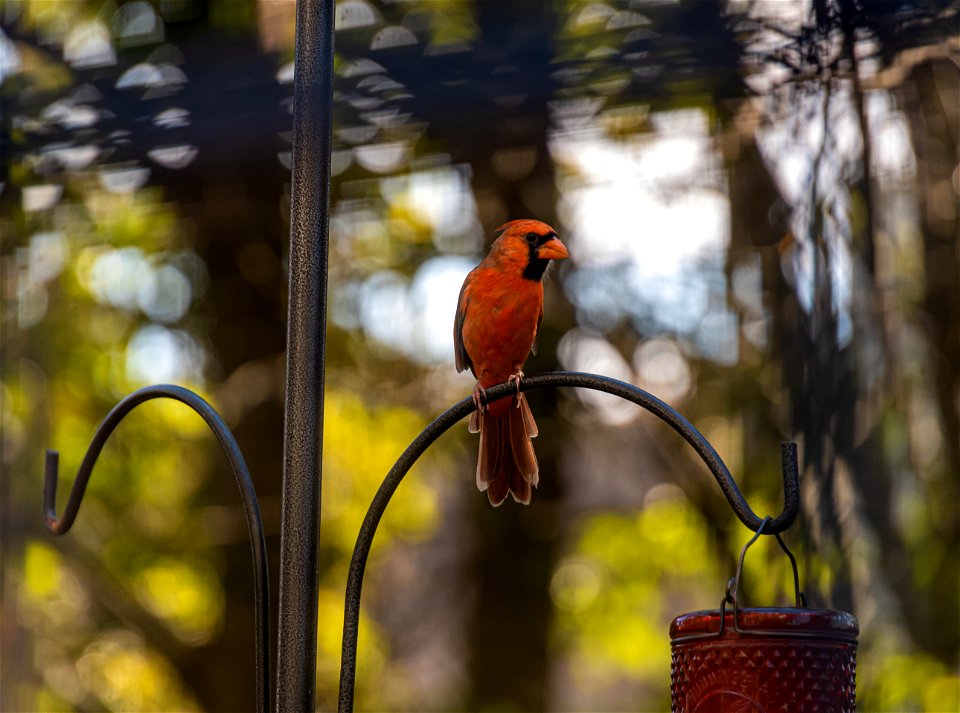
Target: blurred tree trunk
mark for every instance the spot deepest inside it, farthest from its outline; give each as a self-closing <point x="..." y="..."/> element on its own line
<point x="932" y="103"/>
<point x="515" y="547"/>
<point x="487" y="107"/>
<point x="235" y="201"/>
<point x="759" y="218"/>
<point x="931" y="99"/>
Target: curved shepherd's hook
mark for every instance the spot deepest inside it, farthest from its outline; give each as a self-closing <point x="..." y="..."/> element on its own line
<point x="351" y="615"/>
<point x="60" y="526"/>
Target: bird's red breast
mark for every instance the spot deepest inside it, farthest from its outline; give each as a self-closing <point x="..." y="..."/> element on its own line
<point x="498" y="317"/>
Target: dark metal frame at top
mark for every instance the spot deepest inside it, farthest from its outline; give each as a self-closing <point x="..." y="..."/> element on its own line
<point x="303" y="416"/>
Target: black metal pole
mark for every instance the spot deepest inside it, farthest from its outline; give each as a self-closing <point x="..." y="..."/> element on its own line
<point x="306" y="325"/>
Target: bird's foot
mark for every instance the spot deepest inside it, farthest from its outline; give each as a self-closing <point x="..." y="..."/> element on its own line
<point x="515" y="379"/>
<point x="479" y="394"/>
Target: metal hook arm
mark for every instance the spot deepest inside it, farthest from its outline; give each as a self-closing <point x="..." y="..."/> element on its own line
<point x="707" y="453"/>
<point x="61" y="525"/>
<point x="351" y="616"/>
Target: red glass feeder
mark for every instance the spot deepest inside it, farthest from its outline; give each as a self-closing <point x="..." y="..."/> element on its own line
<point x="758" y="660"/>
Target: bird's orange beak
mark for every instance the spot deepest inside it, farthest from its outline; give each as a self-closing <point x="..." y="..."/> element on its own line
<point x="553" y="249"/>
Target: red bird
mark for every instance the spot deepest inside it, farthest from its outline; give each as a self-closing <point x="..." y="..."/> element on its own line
<point x="498" y="316"/>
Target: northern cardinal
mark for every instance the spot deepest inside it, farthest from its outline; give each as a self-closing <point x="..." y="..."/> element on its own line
<point x="498" y="317"/>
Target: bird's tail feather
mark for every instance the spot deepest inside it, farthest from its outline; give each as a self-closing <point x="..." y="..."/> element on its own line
<point x="507" y="463"/>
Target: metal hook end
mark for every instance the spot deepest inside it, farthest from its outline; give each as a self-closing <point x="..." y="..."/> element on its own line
<point x="791" y="487"/>
<point x="788" y="459"/>
<point x="51" y="473"/>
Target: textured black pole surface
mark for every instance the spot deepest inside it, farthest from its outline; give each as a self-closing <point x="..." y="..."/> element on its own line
<point x="351" y="614"/>
<point x="306" y="324"/>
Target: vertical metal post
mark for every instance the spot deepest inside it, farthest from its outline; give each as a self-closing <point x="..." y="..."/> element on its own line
<point x="306" y="325"/>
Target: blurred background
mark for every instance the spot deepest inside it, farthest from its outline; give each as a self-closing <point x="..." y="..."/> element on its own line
<point x="761" y="202"/>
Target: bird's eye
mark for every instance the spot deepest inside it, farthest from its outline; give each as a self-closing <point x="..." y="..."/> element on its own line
<point x="532" y="238"/>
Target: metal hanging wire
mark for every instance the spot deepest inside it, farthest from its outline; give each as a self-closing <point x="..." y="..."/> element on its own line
<point x="733" y="586"/>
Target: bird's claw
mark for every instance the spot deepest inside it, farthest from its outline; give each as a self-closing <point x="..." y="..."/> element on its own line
<point x="479" y="395"/>
<point x="515" y="379"/>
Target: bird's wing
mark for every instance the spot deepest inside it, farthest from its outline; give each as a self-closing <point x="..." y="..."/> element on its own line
<point x="463" y="360"/>
<point x="536" y="333"/>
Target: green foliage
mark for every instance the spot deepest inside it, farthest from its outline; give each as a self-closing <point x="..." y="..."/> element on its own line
<point x="907" y="682"/>
<point x="360" y="444"/>
<point x="625" y="579"/>
<point x="239" y="16"/>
